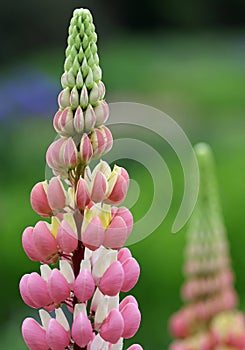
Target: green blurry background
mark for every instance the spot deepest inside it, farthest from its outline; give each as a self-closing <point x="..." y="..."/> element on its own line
<point x="188" y="60"/>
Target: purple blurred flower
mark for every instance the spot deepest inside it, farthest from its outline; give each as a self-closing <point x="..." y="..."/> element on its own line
<point x="27" y="93"/>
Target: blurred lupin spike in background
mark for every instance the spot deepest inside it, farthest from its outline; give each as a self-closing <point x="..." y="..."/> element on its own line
<point x="208" y="291"/>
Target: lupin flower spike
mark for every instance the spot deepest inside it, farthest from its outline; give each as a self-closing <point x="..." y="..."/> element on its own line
<point x="208" y="292"/>
<point x="86" y="232"/>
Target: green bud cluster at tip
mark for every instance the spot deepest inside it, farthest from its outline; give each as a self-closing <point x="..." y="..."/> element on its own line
<point x="206" y="228"/>
<point x="82" y="74"/>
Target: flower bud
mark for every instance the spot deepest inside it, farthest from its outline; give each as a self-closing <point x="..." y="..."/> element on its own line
<point x="78" y="120"/>
<point x="94" y="95"/>
<point x="98" y="187"/>
<point x="89" y="118"/>
<point x="64" y="98"/>
<point x="63" y="122"/>
<point x="74" y="98"/>
<point x="117" y="186"/>
<point x="84" y="97"/>
<point x="86" y="150"/>
<point x="101" y="111"/>
<point x="82" y="197"/>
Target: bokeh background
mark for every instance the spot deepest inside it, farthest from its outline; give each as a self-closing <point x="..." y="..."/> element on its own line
<point x="185" y="58"/>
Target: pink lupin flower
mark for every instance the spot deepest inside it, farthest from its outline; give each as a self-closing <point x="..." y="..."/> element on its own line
<point x="24" y="292"/>
<point x="54" y="154"/>
<point x="58" y="287"/>
<point x="29" y="246"/>
<point x="35" y="289"/>
<point x="112" y="280"/>
<point x="131" y="316"/>
<point x="89" y="118"/>
<point x="56" y="194"/>
<point x="131" y="274"/>
<point x="78" y="120"/>
<point x="135" y="347"/>
<point x="57" y="337"/>
<point x="102" y="113"/>
<point x="84" y="286"/>
<point x="34" y="335"/>
<point x="117" y="186"/>
<point x="63" y="122"/>
<point x="98" y="187"/>
<point x="116" y="233"/>
<point x="128" y="299"/>
<point x="112" y="327"/>
<point x="39" y="199"/>
<point x="85" y="233"/>
<point x="82" y="197"/>
<point x="86" y="150"/>
<point x="93" y="234"/>
<point x="43" y="240"/>
<point x="66" y="237"/>
<point x="82" y="331"/>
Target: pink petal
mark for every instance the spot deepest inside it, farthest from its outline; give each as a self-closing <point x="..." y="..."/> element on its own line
<point x="58" y="287"/>
<point x="132" y="317"/>
<point x="99" y="188"/>
<point x="34" y="335"/>
<point x="86" y="150"/>
<point x="66" y="238"/>
<point x="38" y="290"/>
<point x="57" y="337"/>
<point x="79" y="120"/>
<point x="126" y="215"/>
<point x="131" y="274"/>
<point x="119" y="191"/>
<point x="128" y="299"/>
<point x="123" y="254"/>
<point x="53" y="155"/>
<point x="56" y="121"/>
<point x="56" y="194"/>
<point x="39" y="200"/>
<point x="70" y="153"/>
<point x="112" y="328"/>
<point x="93" y="236"/>
<point x="29" y="246"/>
<point x="116" y="233"/>
<point x="108" y="137"/>
<point x="25" y="293"/>
<point x="102" y="113"/>
<point x="43" y="239"/>
<point x="82" y="331"/>
<point x="135" y="347"/>
<point x="89" y="118"/>
<point x="82" y="196"/>
<point x="84" y="286"/>
<point x="112" y="280"/>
